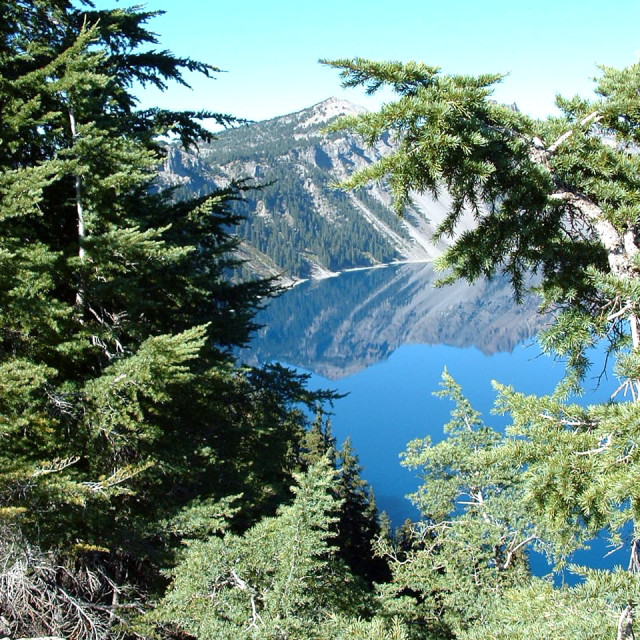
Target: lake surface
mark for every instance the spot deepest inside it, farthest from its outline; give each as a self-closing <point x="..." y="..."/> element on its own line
<point x="383" y="336"/>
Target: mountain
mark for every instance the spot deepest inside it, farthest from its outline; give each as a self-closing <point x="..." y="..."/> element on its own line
<point x="342" y="325"/>
<point x="297" y="224"/>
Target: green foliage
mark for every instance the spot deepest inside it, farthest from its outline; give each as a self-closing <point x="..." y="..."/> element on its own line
<point x="356" y="525"/>
<point x="590" y="611"/>
<point x="518" y="177"/>
<point x="557" y="199"/>
<point x="578" y="463"/>
<point x="280" y="579"/>
<point x="127" y="428"/>
<point x="471" y="542"/>
<point x="125" y="423"/>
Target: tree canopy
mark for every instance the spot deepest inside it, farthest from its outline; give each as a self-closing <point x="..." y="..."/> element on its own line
<point x="125" y="423"/>
<point x="555" y="197"/>
<point x="555" y="204"/>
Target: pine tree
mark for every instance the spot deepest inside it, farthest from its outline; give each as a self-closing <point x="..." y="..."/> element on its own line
<point x="358" y="526"/>
<point x="318" y="442"/>
<point x="281" y="579"/>
<point x="559" y="199"/>
<point x="123" y="418"/>
<point x="470" y="544"/>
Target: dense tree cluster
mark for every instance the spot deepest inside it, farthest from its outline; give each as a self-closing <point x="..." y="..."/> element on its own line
<point x="125" y="425"/>
<point x="151" y="487"/>
<point x="342" y="243"/>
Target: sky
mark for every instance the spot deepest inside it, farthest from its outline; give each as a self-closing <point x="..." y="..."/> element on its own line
<point x="269" y="50"/>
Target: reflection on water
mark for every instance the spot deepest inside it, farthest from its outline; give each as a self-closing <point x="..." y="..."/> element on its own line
<point x="383" y="337"/>
<point x="338" y="326"/>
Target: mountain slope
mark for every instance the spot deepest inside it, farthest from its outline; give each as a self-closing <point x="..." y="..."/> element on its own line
<point x="297" y="224"/>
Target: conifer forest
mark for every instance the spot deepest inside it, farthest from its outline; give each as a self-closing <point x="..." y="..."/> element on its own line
<point x="151" y="487"/>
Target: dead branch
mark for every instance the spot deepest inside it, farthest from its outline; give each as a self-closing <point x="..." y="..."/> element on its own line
<point x="39" y="597"/>
<point x="625" y="624"/>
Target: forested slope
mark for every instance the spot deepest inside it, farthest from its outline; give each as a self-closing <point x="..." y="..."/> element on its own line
<point x="298" y="224"/>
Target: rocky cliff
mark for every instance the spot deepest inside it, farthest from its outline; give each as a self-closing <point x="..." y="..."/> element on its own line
<point x="297" y="224"/>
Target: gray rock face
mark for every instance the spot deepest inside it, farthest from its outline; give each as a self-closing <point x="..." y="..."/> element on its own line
<point x="299" y="224"/>
<point x="342" y="325"/>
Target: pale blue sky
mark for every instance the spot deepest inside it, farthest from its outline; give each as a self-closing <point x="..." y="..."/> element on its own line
<point x="270" y="49"/>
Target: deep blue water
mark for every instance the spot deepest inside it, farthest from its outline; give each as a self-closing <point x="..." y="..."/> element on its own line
<point x="392" y="402"/>
<point x="346" y="328"/>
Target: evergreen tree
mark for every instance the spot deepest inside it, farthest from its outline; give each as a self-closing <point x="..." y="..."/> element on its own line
<point x="318" y="442"/>
<point x="470" y="545"/>
<point x="558" y="198"/>
<point x="358" y="526"/>
<point x="355" y="526"/>
<point x="281" y="579"/>
<point x="123" y="419"/>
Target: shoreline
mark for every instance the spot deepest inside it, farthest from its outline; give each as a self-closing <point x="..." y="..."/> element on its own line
<point x="334" y="274"/>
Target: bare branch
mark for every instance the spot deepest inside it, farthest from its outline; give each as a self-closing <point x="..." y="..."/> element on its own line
<point x="56" y="466"/>
<point x="625" y="624"/>
<point x="606" y="443"/>
<point x="512" y="552"/>
<point x="41" y="598"/>
<point x="614" y="316"/>
<point x="592" y="118"/>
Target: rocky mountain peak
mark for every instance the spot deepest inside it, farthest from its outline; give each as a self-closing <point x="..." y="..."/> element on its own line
<point x="298" y="225"/>
<point x="329" y="109"/>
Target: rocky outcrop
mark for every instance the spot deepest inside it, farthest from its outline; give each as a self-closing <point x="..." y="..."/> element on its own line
<point x="299" y="224"/>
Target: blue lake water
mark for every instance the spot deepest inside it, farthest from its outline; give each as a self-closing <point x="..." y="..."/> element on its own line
<point x="392" y="402"/>
<point x="384" y="339"/>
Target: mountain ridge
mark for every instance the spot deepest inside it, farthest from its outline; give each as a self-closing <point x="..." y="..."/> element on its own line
<point x="297" y="224"/>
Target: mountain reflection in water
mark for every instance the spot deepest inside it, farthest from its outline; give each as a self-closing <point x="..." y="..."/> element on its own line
<point x="339" y="326"/>
<point x="383" y="336"/>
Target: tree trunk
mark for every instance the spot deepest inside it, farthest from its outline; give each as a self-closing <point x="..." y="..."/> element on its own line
<point x="80" y="294"/>
<point x="625" y="624"/>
